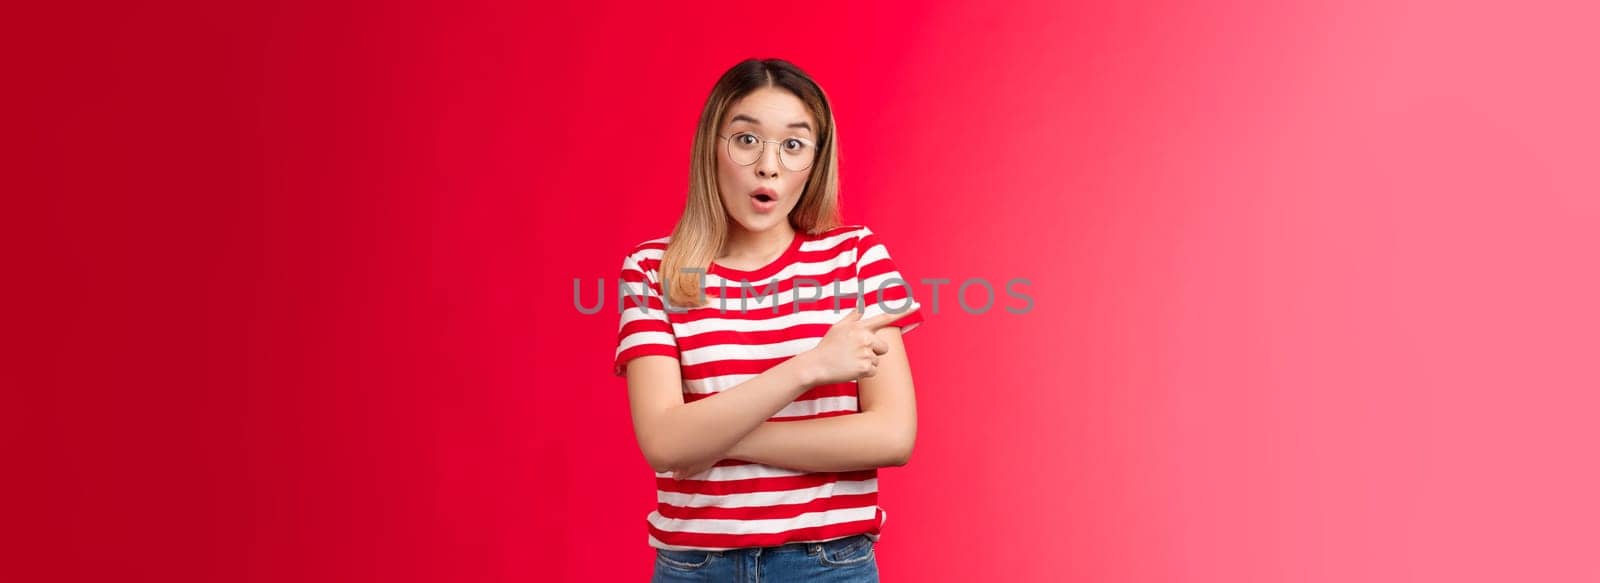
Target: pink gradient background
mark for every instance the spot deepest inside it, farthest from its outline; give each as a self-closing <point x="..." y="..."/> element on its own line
<point x="1315" y="286"/>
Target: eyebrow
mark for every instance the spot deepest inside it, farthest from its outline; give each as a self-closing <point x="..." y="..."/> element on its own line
<point x="742" y="117"/>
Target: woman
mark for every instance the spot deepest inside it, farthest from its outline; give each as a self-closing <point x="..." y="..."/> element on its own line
<point x="762" y="347"/>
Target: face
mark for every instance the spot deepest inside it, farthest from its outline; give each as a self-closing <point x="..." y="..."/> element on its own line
<point x="758" y="197"/>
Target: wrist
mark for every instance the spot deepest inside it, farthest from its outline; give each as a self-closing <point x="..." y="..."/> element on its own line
<point x="804" y="370"/>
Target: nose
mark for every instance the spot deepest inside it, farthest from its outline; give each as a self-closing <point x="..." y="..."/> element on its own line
<point x="768" y="165"/>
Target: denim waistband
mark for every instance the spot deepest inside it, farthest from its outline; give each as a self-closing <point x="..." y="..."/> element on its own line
<point x="808" y="547"/>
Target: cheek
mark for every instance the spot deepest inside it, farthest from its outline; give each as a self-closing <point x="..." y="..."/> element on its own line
<point x="797" y="184"/>
<point x="725" y="183"/>
<point x="729" y="175"/>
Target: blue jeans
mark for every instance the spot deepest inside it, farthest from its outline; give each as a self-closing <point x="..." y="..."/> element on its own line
<point x="847" y="560"/>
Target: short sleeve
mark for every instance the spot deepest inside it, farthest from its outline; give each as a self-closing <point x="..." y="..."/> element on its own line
<point x="883" y="288"/>
<point x="644" y="328"/>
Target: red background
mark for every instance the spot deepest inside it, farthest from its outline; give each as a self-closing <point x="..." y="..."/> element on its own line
<point x="290" y="284"/>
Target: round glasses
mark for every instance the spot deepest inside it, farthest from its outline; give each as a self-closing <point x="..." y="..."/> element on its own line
<point x="796" y="154"/>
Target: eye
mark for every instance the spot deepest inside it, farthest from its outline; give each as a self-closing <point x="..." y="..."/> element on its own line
<point x="746" y="139"/>
<point x="794" y="145"/>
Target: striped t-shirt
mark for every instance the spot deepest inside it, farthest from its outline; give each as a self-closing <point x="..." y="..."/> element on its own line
<point x="739" y="504"/>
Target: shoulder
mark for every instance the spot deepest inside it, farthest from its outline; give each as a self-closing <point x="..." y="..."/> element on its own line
<point x="861" y="236"/>
<point x="645" y="255"/>
<point x="852" y="233"/>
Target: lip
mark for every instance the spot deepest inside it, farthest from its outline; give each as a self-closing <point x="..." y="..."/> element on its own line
<point x="764" y="206"/>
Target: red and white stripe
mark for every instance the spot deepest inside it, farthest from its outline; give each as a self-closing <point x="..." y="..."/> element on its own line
<point x="740" y="504"/>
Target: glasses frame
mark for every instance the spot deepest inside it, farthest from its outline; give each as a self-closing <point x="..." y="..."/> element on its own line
<point x="764" y="141"/>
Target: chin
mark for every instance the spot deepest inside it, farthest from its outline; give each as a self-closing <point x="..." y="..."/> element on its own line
<point x="760" y="224"/>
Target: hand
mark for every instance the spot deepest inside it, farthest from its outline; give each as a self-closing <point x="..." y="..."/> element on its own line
<point x="850" y="349"/>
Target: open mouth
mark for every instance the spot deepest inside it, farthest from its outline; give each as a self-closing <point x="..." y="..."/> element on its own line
<point x="764" y="198"/>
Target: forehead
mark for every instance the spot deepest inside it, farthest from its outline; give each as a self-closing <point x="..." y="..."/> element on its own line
<point x="771" y="107"/>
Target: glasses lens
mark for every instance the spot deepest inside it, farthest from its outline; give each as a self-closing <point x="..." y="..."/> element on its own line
<point x="797" y="155"/>
<point x="744" y="148"/>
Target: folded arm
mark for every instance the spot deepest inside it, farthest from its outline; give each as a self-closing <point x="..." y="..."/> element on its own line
<point x="674" y="435"/>
<point x="687" y="438"/>
<point x="882" y="434"/>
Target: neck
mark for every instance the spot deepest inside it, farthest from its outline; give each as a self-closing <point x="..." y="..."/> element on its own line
<point x="764" y="246"/>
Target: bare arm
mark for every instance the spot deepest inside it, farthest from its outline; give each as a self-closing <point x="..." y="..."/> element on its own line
<point x="674" y="435"/>
<point x="881" y="435"/>
<point x="690" y="437"/>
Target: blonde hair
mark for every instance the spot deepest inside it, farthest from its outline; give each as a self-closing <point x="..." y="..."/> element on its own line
<point x="703" y="226"/>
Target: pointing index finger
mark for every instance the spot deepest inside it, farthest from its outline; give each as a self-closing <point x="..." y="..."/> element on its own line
<point x="880" y="320"/>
